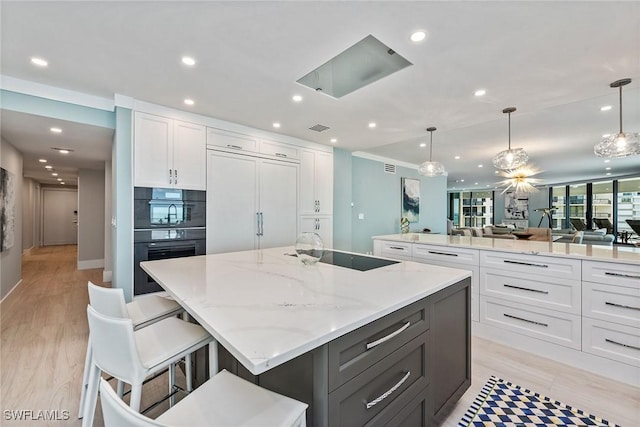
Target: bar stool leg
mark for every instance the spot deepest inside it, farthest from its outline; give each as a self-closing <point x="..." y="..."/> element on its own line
<point x="85" y="379"/>
<point x="136" y="396"/>
<point x="213" y="358"/>
<point x="91" y="396"/>
<point x="188" y="373"/>
<point x="172" y="381"/>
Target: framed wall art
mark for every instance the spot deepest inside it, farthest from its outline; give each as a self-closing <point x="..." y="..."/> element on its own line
<point x="411" y="199"/>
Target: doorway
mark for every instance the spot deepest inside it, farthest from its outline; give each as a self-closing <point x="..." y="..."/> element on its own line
<point x="59" y="216"/>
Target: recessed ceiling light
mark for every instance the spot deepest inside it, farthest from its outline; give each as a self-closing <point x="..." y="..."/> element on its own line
<point x="48" y="167"/>
<point x="189" y="101"/>
<point x="187" y="60"/>
<point x="605" y="108"/>
<point x="42" y="160"/>
<point x="63" y="151"/>
<point x="333" y="140"/>
<point x="488" y="185"/>
<point x="462" y="180"/>
<point x="418" y="36"/>
<point x="608" y="173"/>
<point x="457" y="157"/>
<point x="480" y="92"/>
<point x="372" y="125"/>
<point x="276" y="125"/>
<point x="58" y="179"/>
<point x="54" y="173"/>
<point x="475" y="183"/>
<point x="607" y="168"/>
<point x="62" y="183"/>
<point x="56" y="130"/>
<point x="607" y="160"/>
<point x="606" y="135"/>
<point x="480" y="166"/>
<point x="296" y="98"/>
<point x="497" y="172"/>
<point x="39" y="62"/>
<point x="424" y="144"/>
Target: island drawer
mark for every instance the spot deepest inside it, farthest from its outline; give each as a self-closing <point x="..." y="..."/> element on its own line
<point x="356" y="351"/>
<point x="610" y="340"/>
<point x="611" y="273"/>
<point x="396" y="250"/>
<point x="612" y="303"/>
<point x="446" y="254"/>
<point x="548" y="325"/>
<point x="384" y="389"/>
<point x="541" y="291"/>
<point x="566" y="268"/>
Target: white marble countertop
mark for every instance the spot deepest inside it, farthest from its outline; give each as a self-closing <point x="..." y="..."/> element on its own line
<point x="266" y="307"/>
<point x="616" y="253"/>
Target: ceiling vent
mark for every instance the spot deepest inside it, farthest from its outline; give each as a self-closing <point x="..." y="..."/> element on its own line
<point x="319" y="127"/>
<point x="390" y="168"/>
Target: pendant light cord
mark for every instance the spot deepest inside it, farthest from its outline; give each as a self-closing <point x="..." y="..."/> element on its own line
<point x="620" y="109"/>
<point x="509" y="131"/>
<point x="431" y="144"/>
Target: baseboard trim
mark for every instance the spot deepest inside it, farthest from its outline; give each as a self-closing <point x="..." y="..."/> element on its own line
<point x="90" y="263"/>
<point x="106" y="276"/>
<point x="12" y="289"/>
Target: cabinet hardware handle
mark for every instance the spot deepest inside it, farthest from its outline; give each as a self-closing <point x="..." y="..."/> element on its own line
<point x="623" y="345"/>
<point x="526" y="263"/>
<point x="386" y="394"/>
<point x="175" y="176"/>
<point x="388" y="337"/>
<point x="236" y="147"/>
<point x="442" y="253"/>
<point x="258" y="223"/>
<point x="621" y="306"/>
<point x="525" y="320"/>
<point x="170" y="176"/>
<point x="525" y="289"/>
<point x="629" y="276"/>
<point x="261" y="224"/>
<point x="397" y="247"/>
<point x="281" y="155"/>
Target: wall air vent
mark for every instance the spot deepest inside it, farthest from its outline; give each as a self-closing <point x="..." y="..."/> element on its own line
<point x="319" y="127"/>
<point x="390" y="168"/>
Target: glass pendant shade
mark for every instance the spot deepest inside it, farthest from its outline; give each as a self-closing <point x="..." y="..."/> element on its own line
<point x="620" y="144"/>
<point x="511" y="158"/>
<point x="431" y="168"/>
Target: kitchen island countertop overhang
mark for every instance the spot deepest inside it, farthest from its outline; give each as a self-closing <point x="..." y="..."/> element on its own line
<point x="266" y="307"/>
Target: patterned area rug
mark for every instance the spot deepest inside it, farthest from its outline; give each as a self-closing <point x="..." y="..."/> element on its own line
<point x="502" y="404"/>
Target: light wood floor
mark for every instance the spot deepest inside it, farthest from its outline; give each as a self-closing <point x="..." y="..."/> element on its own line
<point x="44" y="336"/>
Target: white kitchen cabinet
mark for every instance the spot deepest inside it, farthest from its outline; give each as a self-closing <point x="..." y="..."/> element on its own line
<point x="251" y="202"/>
<point x="316" y="182"/>
<point x="322" y="225"/>
<point x="168" y="153"/>
<point x="223" y="140"/>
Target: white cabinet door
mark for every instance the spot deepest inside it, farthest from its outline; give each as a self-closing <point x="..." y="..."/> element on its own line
<point x="316" y="183"/>
<point x="232" y="202"/>
<point x="152" y="156"/>
<point x="231" y="140"/>
<point x="189" y="160"/>
<point x="322" y="225"/>
<point x="278" y="202"/>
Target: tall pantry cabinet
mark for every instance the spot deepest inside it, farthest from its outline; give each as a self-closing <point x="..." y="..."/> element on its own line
<point x="316" y="194"/>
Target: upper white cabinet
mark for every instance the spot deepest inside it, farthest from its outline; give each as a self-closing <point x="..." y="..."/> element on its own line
<point x="219" y="139"/>
<point x="316" y="182"/>
<point x="169" y="153"/>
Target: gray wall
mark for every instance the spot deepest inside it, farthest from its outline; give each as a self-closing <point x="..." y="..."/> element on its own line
<point x="11" y="259"/>
<point x="90" y="218"/>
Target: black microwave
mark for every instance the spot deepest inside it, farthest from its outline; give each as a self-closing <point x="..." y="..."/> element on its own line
<point x="168" y="208"/>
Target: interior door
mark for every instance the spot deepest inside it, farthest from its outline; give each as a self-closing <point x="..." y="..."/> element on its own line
<point x="278" y="203"/>
<point x="59" y="217"/>
<point x="232" y="202"/>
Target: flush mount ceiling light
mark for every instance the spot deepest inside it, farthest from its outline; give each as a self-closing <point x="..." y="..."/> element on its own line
<point x="510" y="159"/>
<point x="431" y="168"/>
<point x="365" y="62"/>
<point x="619" y="144"/>
<point x="520" y="180"/>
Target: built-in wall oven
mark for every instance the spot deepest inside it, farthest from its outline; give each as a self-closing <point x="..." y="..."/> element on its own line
<point x="168" y="223"/>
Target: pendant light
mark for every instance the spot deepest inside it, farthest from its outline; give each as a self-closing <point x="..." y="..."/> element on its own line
<point x="431" y="168"/>
<point x="510" y="159"/>
<point x="619" y="144"/>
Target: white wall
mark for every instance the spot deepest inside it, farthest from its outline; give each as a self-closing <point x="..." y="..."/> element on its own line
<point x="11" y="259"/>
<point x="90" y="219"/>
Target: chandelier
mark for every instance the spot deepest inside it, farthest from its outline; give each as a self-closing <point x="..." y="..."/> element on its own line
<point x="520" y="180"/>
<point x="431" y="168"/>
<point x="510" y="159"/>
<point x="619" y="144"/>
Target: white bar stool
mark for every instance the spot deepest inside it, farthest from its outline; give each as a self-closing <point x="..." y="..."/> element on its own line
<point x="224" y="400"/>
<point x="142" y="311"/>
<point x="131" y="356"/>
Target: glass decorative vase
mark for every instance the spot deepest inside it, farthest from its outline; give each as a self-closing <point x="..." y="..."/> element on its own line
<point x="309" y="248"/>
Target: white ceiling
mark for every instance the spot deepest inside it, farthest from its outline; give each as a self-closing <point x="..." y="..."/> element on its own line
<point x="552" y="60"/>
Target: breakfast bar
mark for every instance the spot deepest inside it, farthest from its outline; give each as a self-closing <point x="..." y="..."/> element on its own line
<point x="360" y="339"/>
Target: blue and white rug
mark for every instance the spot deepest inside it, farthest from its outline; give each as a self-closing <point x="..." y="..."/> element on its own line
<point x="502" y="404"/>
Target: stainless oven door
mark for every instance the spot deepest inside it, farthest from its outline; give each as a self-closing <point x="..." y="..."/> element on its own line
<point x="150" y="251"/>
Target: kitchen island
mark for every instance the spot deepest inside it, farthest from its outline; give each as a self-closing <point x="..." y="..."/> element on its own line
<point x="576" y="303"/>
<point x="387" y="345"/>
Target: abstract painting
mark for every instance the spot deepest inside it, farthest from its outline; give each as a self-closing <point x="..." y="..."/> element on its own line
<point x="7" y="209"/>
<point x="516" y="205"/>
<point x="411" y="199"/>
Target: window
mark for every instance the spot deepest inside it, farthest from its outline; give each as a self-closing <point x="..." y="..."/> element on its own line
<point x="578" y="204"/>
<point x="559" y="201"/>
<point x="471" y="208"/>
<point x="602" y="205"/>
<point x="628" y="205"/>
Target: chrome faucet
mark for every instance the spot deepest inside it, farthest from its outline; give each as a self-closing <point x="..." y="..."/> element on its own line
<point x="169" y="214"/>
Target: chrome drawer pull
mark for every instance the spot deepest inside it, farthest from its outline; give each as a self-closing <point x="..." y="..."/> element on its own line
<point x="386" y="394"/>
<point x="442" y="253"/>
<point x="397" y="247"/>
<point x="237" y="147"/>
<point x="620" y="344"/>
<point x="525" y="289"/>
<point x="525" y="320"/>
<point x="622" y="306"/>
<point x="388" y="337"/>
<point x="281" y="155"/>
<point x="526" y="263"/>
<point x="628" y="276"/>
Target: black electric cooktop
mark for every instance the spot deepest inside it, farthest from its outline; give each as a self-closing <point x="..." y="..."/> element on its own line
<point x="355" y="262"/>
